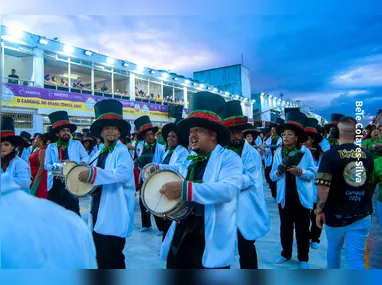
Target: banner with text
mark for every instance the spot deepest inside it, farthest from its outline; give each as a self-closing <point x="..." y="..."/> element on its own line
<point x="81" y="104"/>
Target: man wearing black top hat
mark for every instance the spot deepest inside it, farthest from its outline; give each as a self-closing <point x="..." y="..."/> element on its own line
<point x="344" y="197"/>
<point x="63" y="150"/>
<point x="253" y="220"/>
<point x="207" y="237"/>
<point x="272" y="142"/>
<point x="22" y="149"/>
<point x="112" y="211"/>
<point x="332" y="130"/>
<point x="294" y="171"/>
<point x="146" y="132"/>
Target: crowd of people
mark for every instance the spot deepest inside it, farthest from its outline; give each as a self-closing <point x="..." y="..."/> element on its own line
<point x="318" y="176"/>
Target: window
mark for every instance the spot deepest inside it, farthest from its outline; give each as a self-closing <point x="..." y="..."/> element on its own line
<point x="23" y="121"/>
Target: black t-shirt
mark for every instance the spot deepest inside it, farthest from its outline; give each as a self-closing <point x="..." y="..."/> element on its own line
<point x="349" y="178"/>
<point x="11" y="81"/>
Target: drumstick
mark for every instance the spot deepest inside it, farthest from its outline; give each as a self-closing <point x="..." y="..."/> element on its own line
<point x="158" y="202"/>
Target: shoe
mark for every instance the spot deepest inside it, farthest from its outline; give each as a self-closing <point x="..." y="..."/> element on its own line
<point x="145" y="229"/>
<point x="314" y="245"/>
<point x="281" y="259"/>
<point x="159" y="234"/>
<point x="304" y="265"/>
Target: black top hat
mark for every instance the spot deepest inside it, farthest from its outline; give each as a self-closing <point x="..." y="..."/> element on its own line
<point x="26" y="138"/>
<point x="85" y="131"/>
<point x="35" y="135"/>
<point x="312" y="129"/>
<point x="207" y="110"/>
<point x="251" y="131"/>
<point x="89" y="138"/>
<point x="143" y="125"/>
<point x="295" y="121"/>
<point x="171" y="127"/>
<point x="279" y="121"/>
<point x="8" y="132"/>
<point x="334" y="119"/>
<point x="234" y="117"/>
<point x="60" y="119"/>
<point x="78" y="136"/>
<point x="51" y="134"/>
<point x="109" y="113"/>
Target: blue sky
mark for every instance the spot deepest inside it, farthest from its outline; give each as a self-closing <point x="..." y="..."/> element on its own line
<point x="328" y="62"/>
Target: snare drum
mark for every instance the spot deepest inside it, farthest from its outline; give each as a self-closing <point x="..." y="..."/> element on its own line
<point x="146" y="171"/>
<point x="77" y="187"/>
<point x="61" y="170"/>
<point x="158" y="204"/>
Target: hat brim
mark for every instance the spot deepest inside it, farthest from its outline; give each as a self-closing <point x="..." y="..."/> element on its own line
<point x="254" y="133"/>
<point x="97" y="126"/>
<point x="171" y="127"/>
<point x="302" y="136"/>
<point x="240" y="127"/>
<point x="184" y="126"/>
<point x="141" y="135"/>
<point x="317" y="137"/>
<point x="15" y="140"/>
<point x="26" y="144"/>
<point x="72" y="127"/>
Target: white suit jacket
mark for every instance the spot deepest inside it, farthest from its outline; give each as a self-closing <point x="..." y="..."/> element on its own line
<point x="116" y="209"/>
<point x="222" y="180"/>
<point x="304" y="182"/>
<point x="252" y="213"/>
<point x="39" y="234"/>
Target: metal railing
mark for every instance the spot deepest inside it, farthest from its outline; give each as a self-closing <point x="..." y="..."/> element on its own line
<point x="19" y="81"/>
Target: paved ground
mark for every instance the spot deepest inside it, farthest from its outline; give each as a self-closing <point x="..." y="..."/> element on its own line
<point x="142" y="249"/>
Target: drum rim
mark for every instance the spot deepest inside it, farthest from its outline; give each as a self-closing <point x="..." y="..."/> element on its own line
<point x="144" y="186"/>
<point x="66" y="183"/>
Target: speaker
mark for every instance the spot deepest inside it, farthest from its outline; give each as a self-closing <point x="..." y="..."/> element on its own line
<point x="175" y="111"/>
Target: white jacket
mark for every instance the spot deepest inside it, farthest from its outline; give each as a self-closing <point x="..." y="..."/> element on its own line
<point x="252" y="213"/>
<point x="222" y="180"/>
<point x="39" y="234"/>
<point x="21" y="172"/>
<point x="268" y="158"/>
<point x="304" y="182"/>
<point x="178" y="157"/>
<point x="116" y="209"/>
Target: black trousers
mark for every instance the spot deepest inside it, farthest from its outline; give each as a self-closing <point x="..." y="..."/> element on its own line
<point x="59" y="195"/>
<point x="189" y="255"/>
<point x="247" y="252"/>
<point x="295" y="215"/>
<point x="165" y="225"/>
<point x="146" y="218"/>
<point x="272" y="185"/>
<point x="109" y="251"/>
<point x="315" y="232"/>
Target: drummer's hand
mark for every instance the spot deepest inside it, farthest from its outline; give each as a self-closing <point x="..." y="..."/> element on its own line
<point x="84" y="175"/>
<point x="262" y="150"/>
<point x="172" y="190"/>
<point x="293" y="169"/>
<point x="152" y="168"/>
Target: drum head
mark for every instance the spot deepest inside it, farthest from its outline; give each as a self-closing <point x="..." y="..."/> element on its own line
<point x="68" y="166"/>
<point x="152" y="198"/>
<point x="75" y="186"/>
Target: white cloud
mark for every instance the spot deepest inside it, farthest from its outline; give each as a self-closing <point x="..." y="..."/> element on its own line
<point x="360" y="77"/>
<point x="147" y="41"/>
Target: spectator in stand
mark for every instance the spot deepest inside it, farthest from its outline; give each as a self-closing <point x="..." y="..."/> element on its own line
<point x="117" y="91"/>
<point x="159" y="98"/>
<point x="78" y="83"/>
<point x="182" y="101"/>
<point x="64" y="82"/>
<point x="13" y="75"/>
<point x="47" y="79"/>
<point x="54" y="80"/>
<point x="104" y="88"/>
